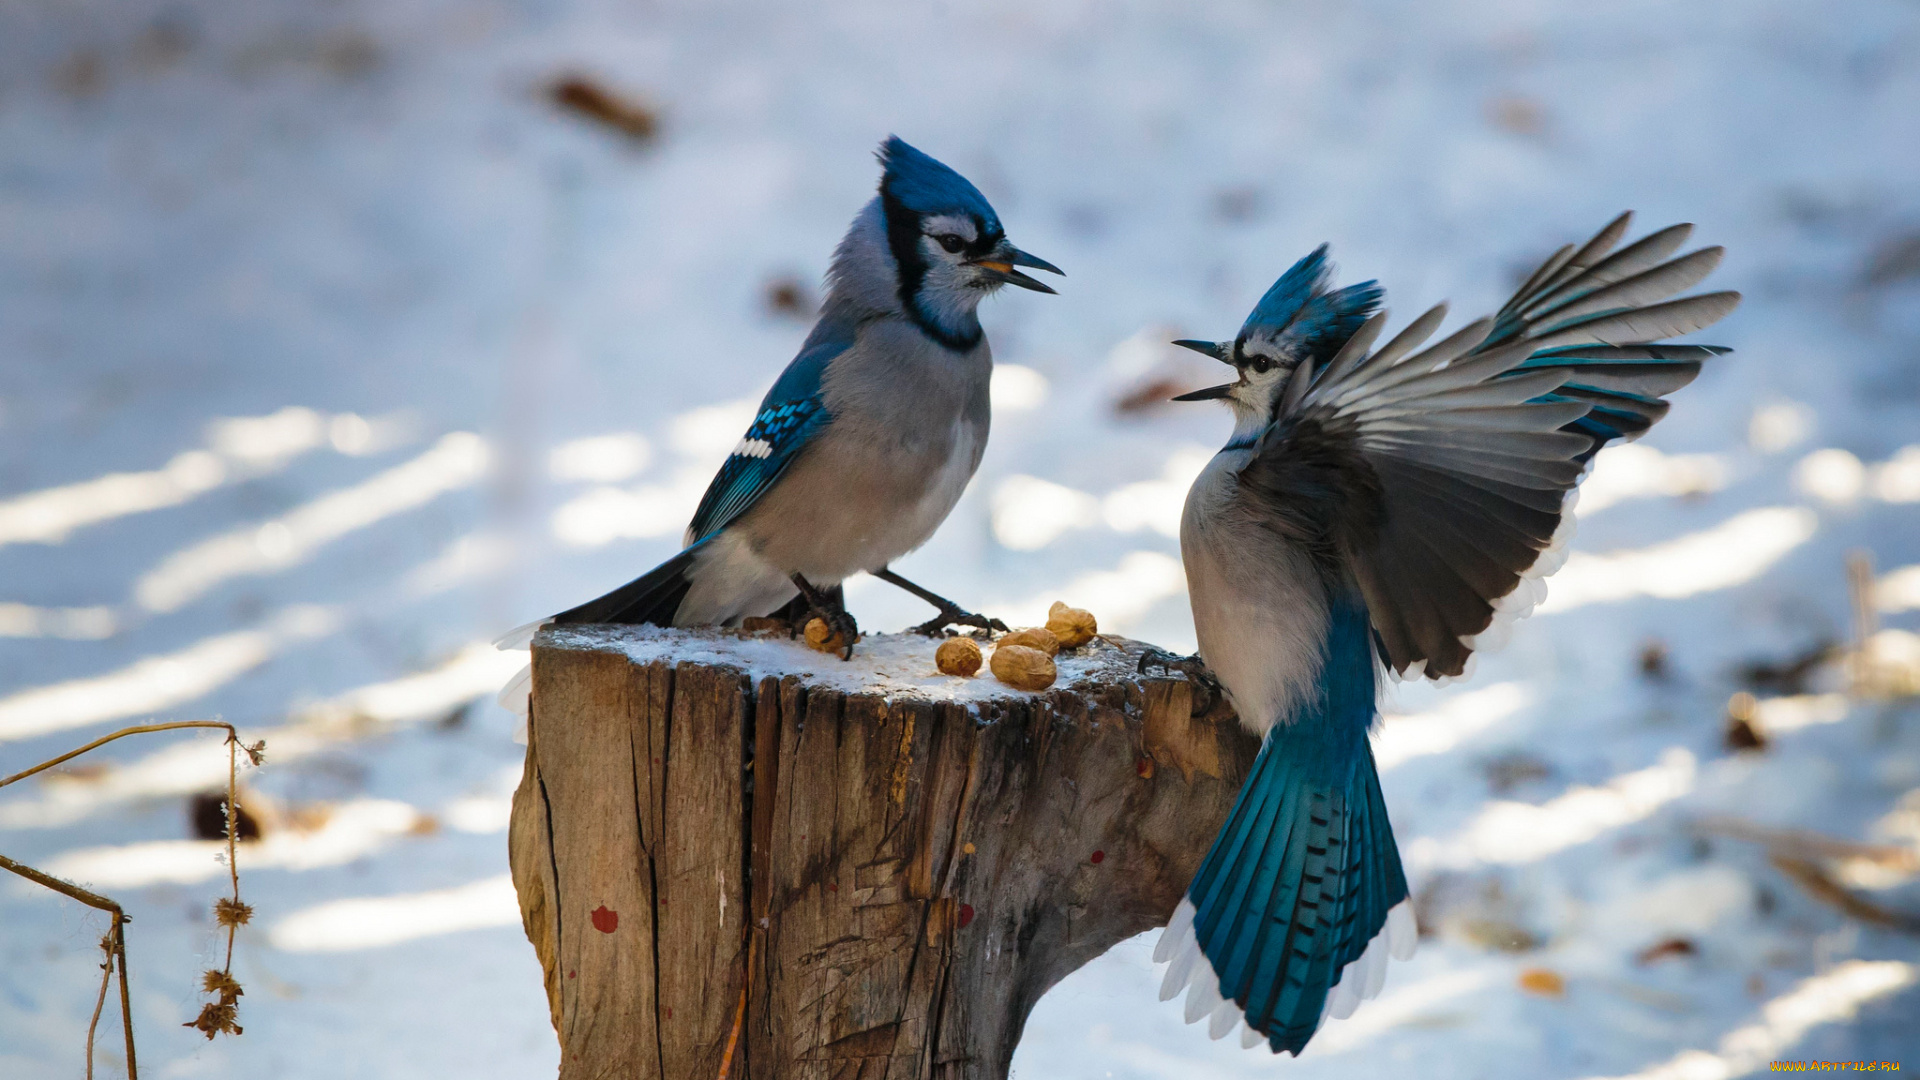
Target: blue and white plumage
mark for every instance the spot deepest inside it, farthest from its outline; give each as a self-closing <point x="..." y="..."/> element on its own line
<point x="865" y="442"/>
<point x="1385" y="510"/>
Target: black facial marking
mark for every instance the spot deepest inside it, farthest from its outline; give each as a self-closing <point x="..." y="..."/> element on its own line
<point x="984" y="241"/>
<point x="903" y="239"/>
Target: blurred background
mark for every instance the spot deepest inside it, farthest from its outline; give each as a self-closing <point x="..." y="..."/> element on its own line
<point x="337" y="338"/>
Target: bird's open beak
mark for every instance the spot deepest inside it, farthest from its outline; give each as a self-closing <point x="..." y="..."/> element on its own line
<point x="1219" y="350"/>
<point x="1209" y="394"/>
<point x="1001" y="267"/>
<point x="1021" y="258"/>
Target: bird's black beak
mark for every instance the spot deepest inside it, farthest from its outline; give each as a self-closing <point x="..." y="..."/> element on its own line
<point x="1001" y="265"/>
<point x="1021" y="258"/>
<point x="1209" y="394"/>
<point x="1219" y="350"/>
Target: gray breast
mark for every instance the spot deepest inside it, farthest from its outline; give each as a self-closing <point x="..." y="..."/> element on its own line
<point x="910" y="422"/>
<point x="1259" y="611"/>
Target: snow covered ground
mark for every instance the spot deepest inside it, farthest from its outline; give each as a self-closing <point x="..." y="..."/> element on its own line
<point x="332" y="348"/>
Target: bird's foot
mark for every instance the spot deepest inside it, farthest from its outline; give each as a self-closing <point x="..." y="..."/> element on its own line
<point x="953" y="616"/>
<point x="827" y="606"/>
<point x="1206" y="685"/>
<point x="840" y="627"/>
<point x="951" y="613"/>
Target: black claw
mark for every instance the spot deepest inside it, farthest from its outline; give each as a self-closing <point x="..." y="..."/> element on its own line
<point x="1153" y="657"/>
<point x="827" y="606"/>
<point x="936" y="626"/>
<point x="1211" y="689"/>
<point x="1206" y="686"/>
<point x="841" y="622"/>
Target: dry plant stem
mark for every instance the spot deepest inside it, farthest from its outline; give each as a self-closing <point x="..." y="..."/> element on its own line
<point x="233" y="830"/>
<point x="99" y="1002"/>
<point x="92" y="900"/>
<point x="1818" y="884"/>
<point x="1794" y="853"/>
<point x="143" y="729"/>
<point x="1865" y="620"/>
<point x="115" y="943"/>
<point x="1801" y="844"/>
<point x="1860" y="592"/>
<point x="126" y="1004"/>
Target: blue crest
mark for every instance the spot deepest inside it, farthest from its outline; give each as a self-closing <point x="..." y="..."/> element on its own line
<point x="925" y="186"/>
<point x="1300" y="308"/>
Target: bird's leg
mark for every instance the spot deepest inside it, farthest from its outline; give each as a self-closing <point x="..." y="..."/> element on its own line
<point x="796" y="611"/>
<point x="825" y="605"/>
<point x="951" y="614"/>
<point x="1206" y="685"/>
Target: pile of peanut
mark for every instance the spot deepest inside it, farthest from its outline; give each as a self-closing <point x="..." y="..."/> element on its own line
<point x="1022" y="659"/>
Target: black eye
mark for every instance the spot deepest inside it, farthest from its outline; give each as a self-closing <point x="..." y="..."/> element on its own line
<point x="1260" y="364"/>
<point x="951" y="242"/>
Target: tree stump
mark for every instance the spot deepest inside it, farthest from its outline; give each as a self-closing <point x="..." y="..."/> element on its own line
<point x="738" y="857"/>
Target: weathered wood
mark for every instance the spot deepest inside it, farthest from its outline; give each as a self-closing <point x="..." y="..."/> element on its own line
<point x="901" y="879"/>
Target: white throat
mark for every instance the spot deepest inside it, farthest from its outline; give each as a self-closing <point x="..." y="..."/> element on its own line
<point x="1248" y="420"/>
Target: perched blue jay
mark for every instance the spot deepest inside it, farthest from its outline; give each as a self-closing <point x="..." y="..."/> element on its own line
<point x="866" y="440"/>
<point x="1384" y="509"/>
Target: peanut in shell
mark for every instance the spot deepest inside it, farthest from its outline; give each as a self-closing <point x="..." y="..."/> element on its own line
<point x="1071" y="626"/>
<point x="1023" y="667"/>
<point x="958" y="656"/>
<point x="1034" y="637"/>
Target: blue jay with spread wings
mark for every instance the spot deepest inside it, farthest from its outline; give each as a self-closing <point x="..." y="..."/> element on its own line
<point x="866" y="440"/>
<point x="1384" y="510"/>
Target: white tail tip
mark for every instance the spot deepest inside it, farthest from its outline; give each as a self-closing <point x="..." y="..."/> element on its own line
<point x="519" y="637"/>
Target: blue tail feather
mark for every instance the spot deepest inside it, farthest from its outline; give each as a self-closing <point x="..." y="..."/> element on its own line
<point x="653" y="597"/>
<point x="1303" y="875"/>
<point x="1258" y="875"/>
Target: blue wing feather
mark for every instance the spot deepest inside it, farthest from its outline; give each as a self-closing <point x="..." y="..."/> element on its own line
<point x="1624" y="385"/>
<point x="789" y="417"/>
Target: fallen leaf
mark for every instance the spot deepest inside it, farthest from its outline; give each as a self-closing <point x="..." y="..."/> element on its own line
<point x="1543" y="982"/>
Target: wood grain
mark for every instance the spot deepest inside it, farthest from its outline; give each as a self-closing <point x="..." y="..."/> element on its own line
<point x="907" y="876"/>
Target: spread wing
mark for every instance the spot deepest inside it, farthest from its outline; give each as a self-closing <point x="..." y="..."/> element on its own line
<point x="790" y="416"/>
<point x="1441" y="477"/>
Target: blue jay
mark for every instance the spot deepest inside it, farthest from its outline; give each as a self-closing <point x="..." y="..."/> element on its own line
<point x="1384" y="509"/>
<point x="867" y="439"/>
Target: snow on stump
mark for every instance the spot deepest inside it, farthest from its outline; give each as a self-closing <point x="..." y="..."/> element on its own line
<point x="739" y="857"/>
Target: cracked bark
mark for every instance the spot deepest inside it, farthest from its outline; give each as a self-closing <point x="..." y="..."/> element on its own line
<point x="884" y="948"/>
